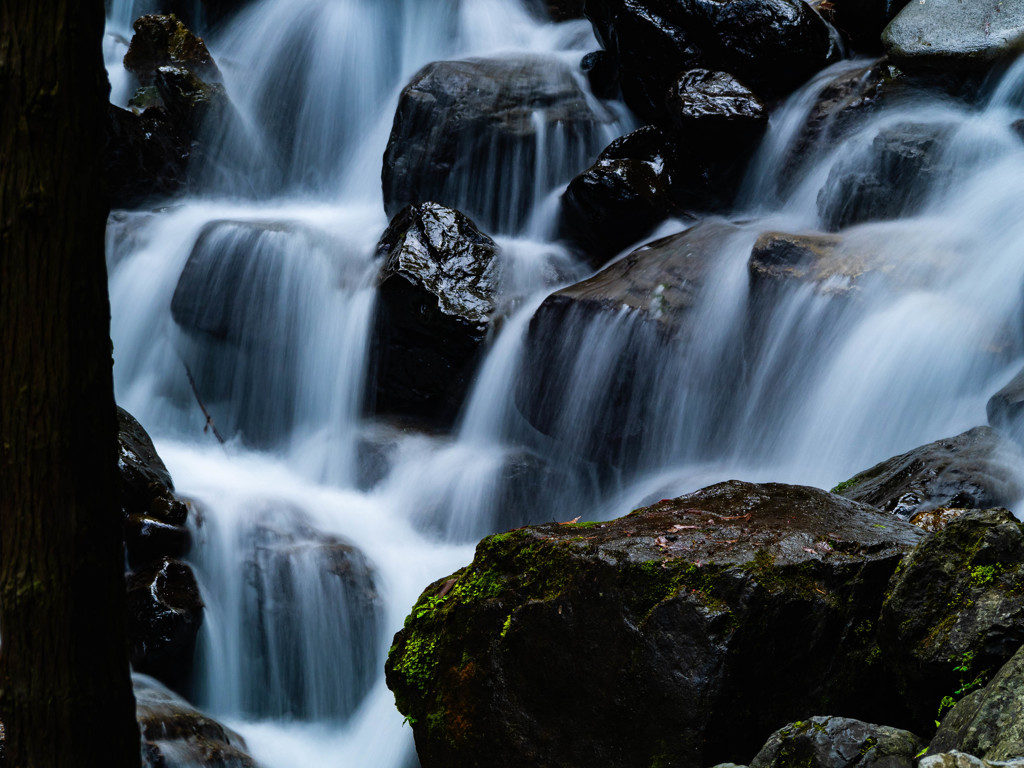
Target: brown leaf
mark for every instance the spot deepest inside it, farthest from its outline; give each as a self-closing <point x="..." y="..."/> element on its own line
<point x="574" y="520"/>
<point x="446" y="587"/>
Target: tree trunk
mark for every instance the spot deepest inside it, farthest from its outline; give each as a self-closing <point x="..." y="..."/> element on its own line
<point x="65" y="690"/>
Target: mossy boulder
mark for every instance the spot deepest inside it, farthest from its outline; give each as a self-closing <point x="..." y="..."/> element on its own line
<point x="977" y="469"/>
<point x="653" y="639"/>
<point x="989" y="723"/>
<point x="838" y="742"/>
<point x="954" y="612"/>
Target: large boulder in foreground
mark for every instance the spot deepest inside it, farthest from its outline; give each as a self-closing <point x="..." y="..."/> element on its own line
<point x="838" y="742"/>
<point x="466" y="135"/>
<point x="175" y="735"/>
<point x="952" y="34"/>
<point x="438" y="284"/>
<point x="989" y="723"/>
<point x="654" y="639"/>
<point x="955" y="610"/>
<point x="976" y="469"/>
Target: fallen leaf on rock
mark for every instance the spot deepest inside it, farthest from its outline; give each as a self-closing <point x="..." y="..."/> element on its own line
<point x="574" y="520"/>
<point x="808" y="549"/>
<point x="446" y="587"/>
<point x="675" y="528"/>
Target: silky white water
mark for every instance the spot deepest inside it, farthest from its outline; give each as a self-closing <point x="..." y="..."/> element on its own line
<point x="317" y="527"/>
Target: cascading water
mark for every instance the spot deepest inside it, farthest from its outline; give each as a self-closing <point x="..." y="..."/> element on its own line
<point x="317" y="527"/>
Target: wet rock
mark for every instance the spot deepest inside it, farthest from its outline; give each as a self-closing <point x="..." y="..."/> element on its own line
<point x="639" y="314"/>
<point x="175" y="735"/>
<point x="955" y="610"/>
<point x="893" y="180"/>
<point x="715" y="107"/>
<point x="1005" y="409"/>
<point x="621" y="197"/>
<point x="650" y="43"/>
<point x="988" y="723"/>
<point x="161" y="41"/>
<point x="771" y="45"/>
<point x="146" y="157"/>
<point x="674" y="609"/>
<point x="976" y="469"/>
<point x="149" y="539"/>
<point x="933" y="520"/>
<point x="838" y="742"/>
<point x="164" y="612"/>
<point x="190" y="101"/>
<point x="437" y="287"/>
<point x="462" y="124"/>
<point x="949" y="34"/>
<point x="311" y="605"/>
<point x="956" y="759"/>
<point x="142" y="475"/>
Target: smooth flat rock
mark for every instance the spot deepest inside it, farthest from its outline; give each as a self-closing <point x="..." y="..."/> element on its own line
<point x="952" y="34"/>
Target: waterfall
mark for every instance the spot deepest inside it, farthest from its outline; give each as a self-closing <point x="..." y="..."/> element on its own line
<point x="316" y="526"/>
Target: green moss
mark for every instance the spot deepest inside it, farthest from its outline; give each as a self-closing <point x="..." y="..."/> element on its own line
<point x="418" y="661"/>
<point x="844" y="486"/>
<point x="869" y="743"/>
<point x="506" y="626"/>
<point x="587" y="524"/>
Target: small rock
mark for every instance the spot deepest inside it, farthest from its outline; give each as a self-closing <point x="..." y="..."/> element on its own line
<point x="838" y="742"/>
<point x="977" y="469"/>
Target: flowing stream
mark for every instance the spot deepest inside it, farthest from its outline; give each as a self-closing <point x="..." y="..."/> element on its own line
<point x="317" y="527"/>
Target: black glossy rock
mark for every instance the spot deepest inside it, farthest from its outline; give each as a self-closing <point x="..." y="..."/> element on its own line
<point x="892" y="180"/>
<point x="717" y="109"/>
<point x="1005" y="409"/>
<point x="974" y="470"/>
<point x="651" y="43"/>
<point x="175" y="735"/>
<point x="148" y="539"/>
<point x="673" y="611"/>
<point x="146" y="157"/>
<point x="164" y="611"/>
<point x="162" y="40"/>
<point x="142" y="475"/>
<point x="954" y="611"/>
<point x="621" y="197"/>
<point x="437" y="287"/>
<point x="771" y="45"/>
<point x="838" y="742"/>
<point x="460" y="125"/>
<point x="988" y="723"/>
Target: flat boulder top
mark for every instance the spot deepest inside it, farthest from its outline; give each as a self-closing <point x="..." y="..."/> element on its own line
<point x="947" y="33"/>
<point x="736" y="522"/>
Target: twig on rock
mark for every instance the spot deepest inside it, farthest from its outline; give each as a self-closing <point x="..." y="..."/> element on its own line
<point x="209" y="419"/>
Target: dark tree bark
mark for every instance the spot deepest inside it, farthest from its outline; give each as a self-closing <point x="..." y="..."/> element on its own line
<point x="65" y="690"/>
